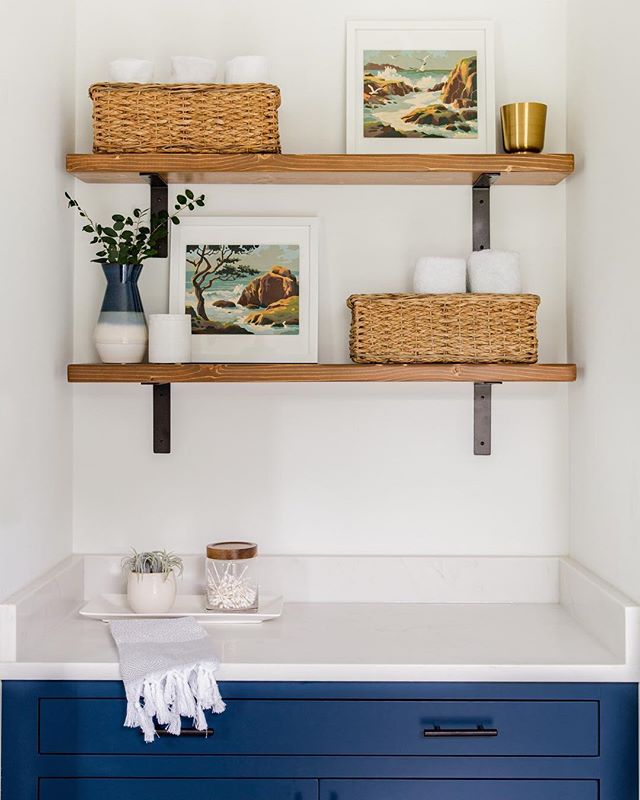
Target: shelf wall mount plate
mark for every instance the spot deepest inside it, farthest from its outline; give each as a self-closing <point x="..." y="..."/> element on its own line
<point x="481" y="218"/>
<point x="161" y="417"/>
<point x="158" y="204"/>
<point x="482" y="418"/>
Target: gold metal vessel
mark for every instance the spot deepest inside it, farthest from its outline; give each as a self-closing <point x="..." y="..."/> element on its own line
<point x="523" y="126"/>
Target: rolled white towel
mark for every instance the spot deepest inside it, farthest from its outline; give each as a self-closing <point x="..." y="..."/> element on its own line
<point x="440" y="275"/>
<point x="494" y="272"/>
<point x="247" y="69"/>
<point x="193" y="69"/>
<point x="131" y="70"/>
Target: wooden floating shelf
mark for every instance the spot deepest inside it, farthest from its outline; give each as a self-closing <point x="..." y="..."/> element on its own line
<point x="459" y="169"/>
<point x="318" y="373"/>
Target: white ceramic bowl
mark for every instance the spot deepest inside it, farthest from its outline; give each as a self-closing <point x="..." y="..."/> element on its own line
<point x="151" y="593"/>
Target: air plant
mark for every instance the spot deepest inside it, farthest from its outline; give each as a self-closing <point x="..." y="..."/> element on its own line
<point x="153" y="562"/>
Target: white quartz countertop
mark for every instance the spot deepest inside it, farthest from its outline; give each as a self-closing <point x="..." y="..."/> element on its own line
<point x="357" y="641"/>
<point x="346" y="641"/>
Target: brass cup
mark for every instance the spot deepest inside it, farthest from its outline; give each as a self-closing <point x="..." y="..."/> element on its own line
<point x="523" y="127"/>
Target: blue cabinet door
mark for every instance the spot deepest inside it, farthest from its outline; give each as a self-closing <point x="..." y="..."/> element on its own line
<point x="459" y="790"/>
<point x="175" y="789"/>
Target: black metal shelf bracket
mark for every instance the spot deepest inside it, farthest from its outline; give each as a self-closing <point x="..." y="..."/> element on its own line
<point x="481" y="216"/>
<point x="482" y="418"/>
<point x="158" y="202"/>
<point x="161" y="417"/>
<point x="482" y="210"/>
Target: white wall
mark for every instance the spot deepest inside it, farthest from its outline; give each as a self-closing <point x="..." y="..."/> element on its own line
<point x="604" y="286"/>
<point x="327" y="468"/>
<point x="37" y="49"/>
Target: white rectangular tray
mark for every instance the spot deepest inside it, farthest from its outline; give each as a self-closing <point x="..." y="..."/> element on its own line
<point x="115" y="606"/>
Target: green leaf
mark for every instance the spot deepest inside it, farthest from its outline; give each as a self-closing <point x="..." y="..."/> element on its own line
<point x="189" y="193"/>
<point x="175" y="220"/>
<point x="200" y="202"/>
<point x="181" y="199"/>
<point x="87" y="228"/>
<point x="118" y="226"/>
<point x="136" y="212"/>
<point x="117" y="218"/>
<point x="191" y="206"/>
<point x="109" y="231"/>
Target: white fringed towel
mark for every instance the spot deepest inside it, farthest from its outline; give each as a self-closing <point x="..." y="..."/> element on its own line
<point x="167" y="667"/>
<point x="440" y="275"/>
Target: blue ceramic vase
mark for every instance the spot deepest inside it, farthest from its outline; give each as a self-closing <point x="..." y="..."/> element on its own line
<point x="121" y="333"/>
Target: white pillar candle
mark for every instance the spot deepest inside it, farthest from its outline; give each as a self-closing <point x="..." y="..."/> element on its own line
<point x="131" y="70"/>
<point x="169" y="338"/>
<point x="247" y="69"/>
<point x="193" y="69"/>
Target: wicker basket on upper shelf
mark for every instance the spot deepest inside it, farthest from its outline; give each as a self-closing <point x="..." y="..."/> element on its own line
<point x="443" y="328"/>
<point x="185" y="118"/>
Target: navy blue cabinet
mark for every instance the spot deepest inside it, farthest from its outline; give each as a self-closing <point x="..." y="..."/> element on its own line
<point x="329" y="741"/>
<point x="459" y="790"/>
<point x="175" y="789"/>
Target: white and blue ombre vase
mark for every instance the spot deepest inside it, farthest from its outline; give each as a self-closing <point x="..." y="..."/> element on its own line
<point x="121" y="333"/>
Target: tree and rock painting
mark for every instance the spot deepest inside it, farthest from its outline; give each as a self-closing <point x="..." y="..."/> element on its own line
<point x="234" y="289"/>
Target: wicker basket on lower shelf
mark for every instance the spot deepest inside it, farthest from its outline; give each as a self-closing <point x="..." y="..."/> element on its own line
<point x="443" y="328"/>
<point x="185" y="118"/>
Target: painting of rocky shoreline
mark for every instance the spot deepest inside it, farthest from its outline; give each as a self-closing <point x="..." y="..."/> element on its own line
<point x="246" y="289"/>
<point x="420" y="94"/>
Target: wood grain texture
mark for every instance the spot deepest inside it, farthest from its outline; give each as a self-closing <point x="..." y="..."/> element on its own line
<point x="317" y="373"/>
<point x="527" y="169"/>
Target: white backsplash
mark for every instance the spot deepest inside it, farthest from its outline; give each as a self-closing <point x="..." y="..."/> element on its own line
<point x="370" y="579"/>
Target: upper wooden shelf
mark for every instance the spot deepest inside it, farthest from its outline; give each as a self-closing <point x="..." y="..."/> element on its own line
<point x="529" y="169"/>
<point x="315" y="373"/>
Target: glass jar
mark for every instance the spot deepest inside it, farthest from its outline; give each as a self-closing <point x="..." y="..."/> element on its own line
<point x="232" y="576"/>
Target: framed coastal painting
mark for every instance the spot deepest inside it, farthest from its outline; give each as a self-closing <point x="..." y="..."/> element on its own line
<point x="420" y="87"/>
<point x="250" y="286"/>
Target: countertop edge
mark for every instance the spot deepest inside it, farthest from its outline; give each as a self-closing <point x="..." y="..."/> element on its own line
<point x="363" y="673"/>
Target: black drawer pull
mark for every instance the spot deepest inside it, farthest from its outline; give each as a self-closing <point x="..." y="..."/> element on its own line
<point x="186" y="732"/>
<point x="437" y="732"/>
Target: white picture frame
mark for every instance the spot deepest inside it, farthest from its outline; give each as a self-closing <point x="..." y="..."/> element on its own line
<point x="372" y="128"/>
<point x="294" y="237"/>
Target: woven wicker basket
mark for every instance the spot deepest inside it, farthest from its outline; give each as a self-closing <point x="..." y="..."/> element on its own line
<point x="185" y="118"/>
<point x="443" y="328"/>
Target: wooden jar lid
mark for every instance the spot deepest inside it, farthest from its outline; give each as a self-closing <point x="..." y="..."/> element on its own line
<point x="231" y="551"/>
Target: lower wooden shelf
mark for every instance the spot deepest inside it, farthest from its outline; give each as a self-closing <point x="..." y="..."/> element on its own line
<point x="161" y="376"/>
<point x="318" y="373"/>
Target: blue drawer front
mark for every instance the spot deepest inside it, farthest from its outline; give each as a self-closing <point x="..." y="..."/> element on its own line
<point x="175" y="789"/>
<point x="458" y="790"/>
<point x="336" y="727"/>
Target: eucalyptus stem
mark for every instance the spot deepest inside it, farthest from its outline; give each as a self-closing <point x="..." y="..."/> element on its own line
<point x="133" y="239"/>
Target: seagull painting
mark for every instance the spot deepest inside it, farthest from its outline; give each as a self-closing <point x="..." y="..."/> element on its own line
<point x="423" y="66"/>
